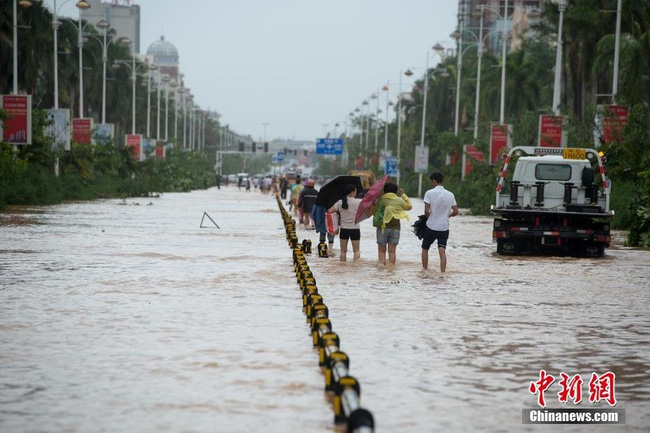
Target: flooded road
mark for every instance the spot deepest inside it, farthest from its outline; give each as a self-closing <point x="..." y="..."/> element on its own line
<point x="127" y="316"/>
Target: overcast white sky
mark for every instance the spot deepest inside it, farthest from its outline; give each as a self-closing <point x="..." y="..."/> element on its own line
<point x="295" y="64"/>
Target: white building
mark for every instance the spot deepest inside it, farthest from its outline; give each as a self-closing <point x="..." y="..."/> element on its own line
<point x="123" y="17"/>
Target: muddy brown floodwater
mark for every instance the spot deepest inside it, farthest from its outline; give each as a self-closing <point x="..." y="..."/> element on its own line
<point x="127" y="316"/>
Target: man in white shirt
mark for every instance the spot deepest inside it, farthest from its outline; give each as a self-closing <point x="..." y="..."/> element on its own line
<point x="439" y="206"/>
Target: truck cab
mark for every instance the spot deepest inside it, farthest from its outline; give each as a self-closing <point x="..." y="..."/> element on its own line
<point x="367" y="179"/>
<point x="552" y="182"/>
<point x="553" y="204"/>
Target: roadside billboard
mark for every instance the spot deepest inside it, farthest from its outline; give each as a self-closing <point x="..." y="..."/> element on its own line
<point x="499" y="142"/>
<point x="82" y="129"/>
<point x="59" y="128"/>
<point x="421" y="159"/>
<point x="161" y="151"/>
<point x="470" y="154"/>
<point x="17" y="127"/>
<point x="135" y="141"/>
<point x="614" y="120"/>
<point x="104" y="133"/>
<point x="550" y="131"/>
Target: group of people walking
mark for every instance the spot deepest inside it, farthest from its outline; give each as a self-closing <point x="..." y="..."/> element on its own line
<point x="387" y="213"/>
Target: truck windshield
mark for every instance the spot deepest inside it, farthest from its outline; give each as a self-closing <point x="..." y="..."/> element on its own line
<point x="560" y="172"/>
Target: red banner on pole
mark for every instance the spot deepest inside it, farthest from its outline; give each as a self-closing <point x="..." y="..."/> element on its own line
<point x="550" y="131"/>
<point x="135" y="141"/>
<point x="17" y="127"/>
<point x="499" y="140"/>
<point x="614" y="122"/>
<point x="471" y="154"/>
<point x="82" y="130"/>
<point x="160" y="150"/>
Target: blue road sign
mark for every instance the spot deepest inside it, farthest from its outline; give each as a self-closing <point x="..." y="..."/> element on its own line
<point x="391" y="165"/>
<point x="329" y="146"/>
<point x="280" y="156"/>
<point x="274" y="159"/>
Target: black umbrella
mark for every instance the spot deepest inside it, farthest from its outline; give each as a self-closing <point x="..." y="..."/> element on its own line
<point x="334" y="190"/>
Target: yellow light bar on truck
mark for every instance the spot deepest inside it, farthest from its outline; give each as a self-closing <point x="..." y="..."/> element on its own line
<point x="573" y="153"/>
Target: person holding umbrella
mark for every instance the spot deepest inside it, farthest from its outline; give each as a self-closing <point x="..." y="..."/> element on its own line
<point x="349" y="229"/>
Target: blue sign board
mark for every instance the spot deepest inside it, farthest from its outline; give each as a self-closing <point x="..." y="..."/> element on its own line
<point x="280" y="156"/>
<point x="329" y="146"/>
<point x="391" y="166"/>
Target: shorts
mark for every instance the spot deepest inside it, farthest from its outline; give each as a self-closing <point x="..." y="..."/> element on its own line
<point x="433" y="235"/>
<point x="354" y="234"/>
<point x="389" y="236"/>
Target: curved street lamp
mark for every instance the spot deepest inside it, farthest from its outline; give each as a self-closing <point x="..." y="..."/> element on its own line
<point x="558" y="59"/>
<point x="24" y="4"/>
<point x="131" y="65"/>
<point x="150" y="71"/>
<point x="105" y="42"/>
<point x="438" y="49"/>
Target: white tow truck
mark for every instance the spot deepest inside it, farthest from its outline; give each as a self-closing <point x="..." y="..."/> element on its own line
<point x="555" y="204"/>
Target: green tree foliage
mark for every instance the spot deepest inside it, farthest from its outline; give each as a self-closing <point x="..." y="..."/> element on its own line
<point x="27" y="176"/>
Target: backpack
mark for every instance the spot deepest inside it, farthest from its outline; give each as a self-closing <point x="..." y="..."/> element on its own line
<point x="420" y="226"/>
<point x="378" y="217"/>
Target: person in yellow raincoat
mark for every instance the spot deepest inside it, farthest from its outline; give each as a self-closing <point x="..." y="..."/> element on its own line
<point x="387" y="213"/>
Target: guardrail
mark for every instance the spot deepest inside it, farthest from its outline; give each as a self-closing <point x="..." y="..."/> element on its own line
<point x="344" y="388"/>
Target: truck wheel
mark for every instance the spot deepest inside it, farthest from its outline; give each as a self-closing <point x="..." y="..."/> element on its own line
<point x="596" y="251"/>
<point x="508" y="247"/>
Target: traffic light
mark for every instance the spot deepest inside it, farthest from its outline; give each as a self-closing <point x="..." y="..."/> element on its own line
<point x="266" y="147"/>
<point x="254" y="147"/>
<point x="241" y="146"/>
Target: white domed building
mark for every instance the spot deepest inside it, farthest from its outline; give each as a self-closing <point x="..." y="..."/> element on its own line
<point x="164" y="55"/>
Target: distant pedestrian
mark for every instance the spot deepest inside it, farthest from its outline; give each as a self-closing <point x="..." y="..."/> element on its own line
<point x="347" y="209"/>
<point x="218" y="181"/>
<point x="306" y="201"/>
<point x="388" y="212"/>
<point x="296" y="189"/>
<point x="284" y="184"/>
<point x="439" y="206"/>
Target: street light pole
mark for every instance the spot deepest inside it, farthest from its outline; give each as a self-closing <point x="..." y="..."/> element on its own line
<point x="133" y="79"/>
<point x="424" y="115"/>
<point x="82" y="4"/>
<point x="104" y="60"/>
<point x="166" y="81"/>
<point x="504" y="39"/>
<point x="55" y="27"/>
<point x="174" y="85"/>
<point x="80" y="45"/>
<point x="558" y="60"/>
<point x="617" y="47"/>
<point x="158" y="84"/>
<point x="149" y="72"/>
<point x="186" y="95"/>
<point x="134" y="69"/>
<point x="399" y="124"/>
<point x="459" y="70"/>
<point x="478" y="74"/>
<point x="24" y="4"/>
<point x="386" y="126"/>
